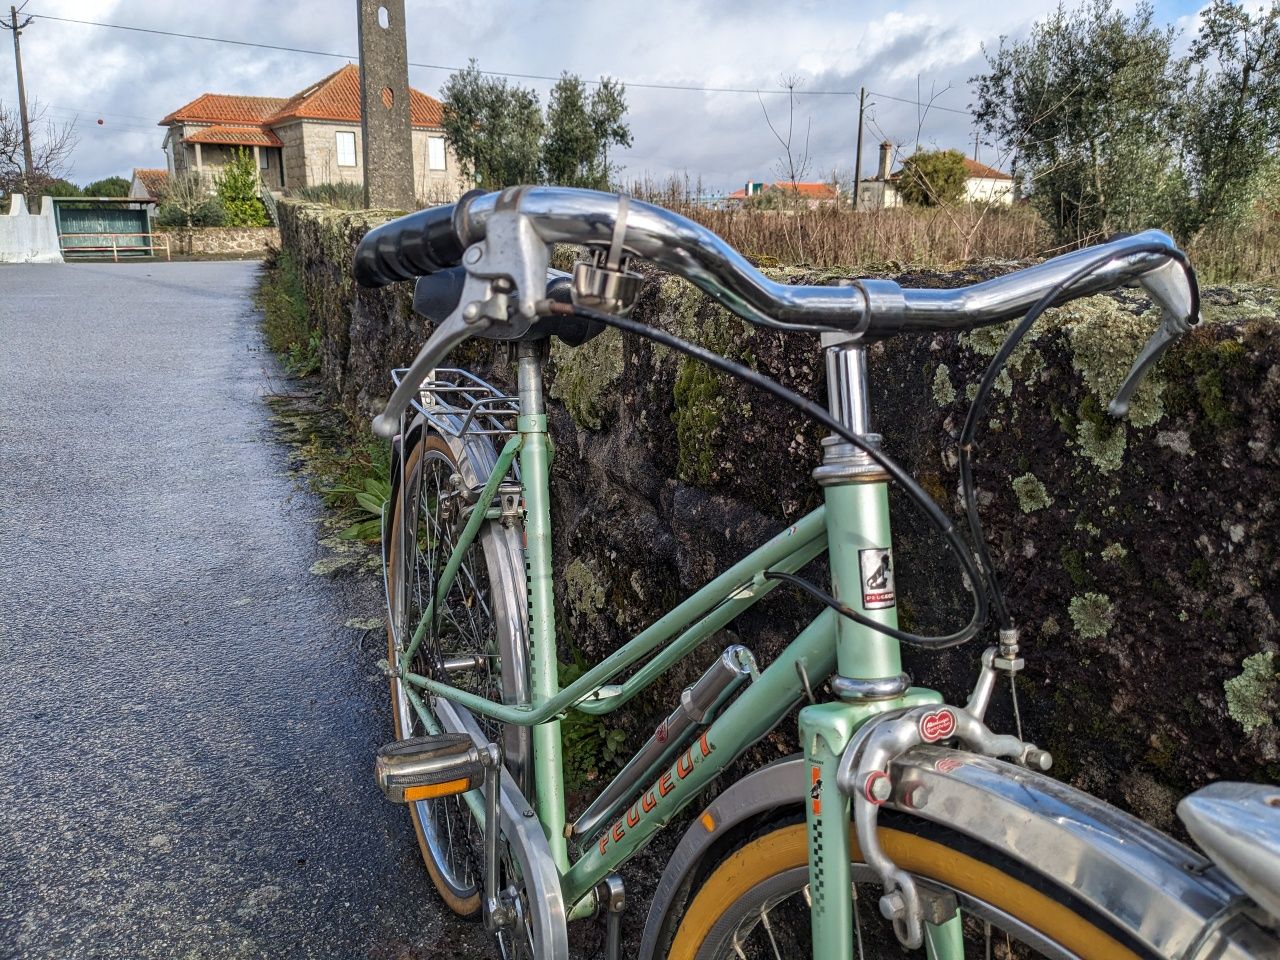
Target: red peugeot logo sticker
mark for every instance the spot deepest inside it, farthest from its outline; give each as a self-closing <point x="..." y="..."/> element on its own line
<point x="937" y="726"/>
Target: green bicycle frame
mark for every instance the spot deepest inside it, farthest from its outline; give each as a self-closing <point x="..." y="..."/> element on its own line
<point x="852" y="528"/>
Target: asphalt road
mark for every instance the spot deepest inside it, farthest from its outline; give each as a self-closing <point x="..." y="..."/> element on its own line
<point x="186" y="725"/>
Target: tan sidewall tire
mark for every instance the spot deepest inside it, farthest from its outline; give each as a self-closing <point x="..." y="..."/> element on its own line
<point x="469" y="906"/>
<point x="786" y="848"/>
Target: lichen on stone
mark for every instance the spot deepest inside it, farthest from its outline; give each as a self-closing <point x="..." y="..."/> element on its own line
<point x="703" y="398"/>
<point x="1250" y="695"/>
<point x="1031" y="494"/>
<point x="584" y="593"/>
<point x="1091" y="614"/>
<point x="1105" y="338"/>
<point x="1102" y="447"/>
<point x="585" y="376"/>
<point x="1114" y="552"/>
<point x="944" y="391"/>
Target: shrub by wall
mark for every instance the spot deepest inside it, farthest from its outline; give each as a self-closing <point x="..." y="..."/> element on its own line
<point x="1140" y="558"/>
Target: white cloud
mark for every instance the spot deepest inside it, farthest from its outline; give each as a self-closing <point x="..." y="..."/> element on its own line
<point x="130" y="80"/>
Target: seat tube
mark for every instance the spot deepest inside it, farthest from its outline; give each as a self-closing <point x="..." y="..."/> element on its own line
<point x="544" y="682"/>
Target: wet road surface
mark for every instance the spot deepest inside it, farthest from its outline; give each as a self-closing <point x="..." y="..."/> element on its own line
<point x="186" y="725"/>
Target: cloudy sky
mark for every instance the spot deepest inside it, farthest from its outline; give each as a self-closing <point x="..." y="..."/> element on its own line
<point x="129" y="80"/>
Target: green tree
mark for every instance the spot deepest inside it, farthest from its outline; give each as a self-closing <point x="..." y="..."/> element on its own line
<point x="1088" y="104"/>
<point x="932" y="178"/>
<point x="108" y="187"/>
<point x="236" y="187"/>
<point x="61" y="188"/>
<point x="580" y="128"/>
<point x="494" y="128"/>
<point x="1231" y="114"/>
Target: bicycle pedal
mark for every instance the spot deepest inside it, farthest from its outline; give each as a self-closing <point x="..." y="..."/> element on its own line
<point x="426" y="768"/>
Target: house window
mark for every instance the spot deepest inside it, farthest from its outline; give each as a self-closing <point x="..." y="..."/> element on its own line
<point x="435" y="153"/>
<point x="264" y="160"/>
<point x="346" y="148"/>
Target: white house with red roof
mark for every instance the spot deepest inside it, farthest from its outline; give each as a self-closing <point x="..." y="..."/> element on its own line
<point x="983" y="184"/>
<point x="312" y="137"/>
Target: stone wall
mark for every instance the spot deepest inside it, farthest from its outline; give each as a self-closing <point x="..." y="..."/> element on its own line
<point x="1140" y="558"/>
<point x="220" y="241"/>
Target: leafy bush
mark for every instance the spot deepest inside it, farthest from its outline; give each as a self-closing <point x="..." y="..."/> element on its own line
<point x="237" y="190"/>
<point x="933" y="178"/>
<point x="207" y="214"/>
<point x="344" y="196"/>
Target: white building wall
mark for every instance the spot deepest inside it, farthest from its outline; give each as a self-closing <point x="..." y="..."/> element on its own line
<point x="29" y="237"/>
<point x="988" y="190"/>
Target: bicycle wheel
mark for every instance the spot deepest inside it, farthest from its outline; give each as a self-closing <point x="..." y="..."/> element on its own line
<point x="753" y="903"/>
<point x="476" y="641"/>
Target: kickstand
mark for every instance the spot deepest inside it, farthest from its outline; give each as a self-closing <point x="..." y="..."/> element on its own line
<point x="614" y="900"/>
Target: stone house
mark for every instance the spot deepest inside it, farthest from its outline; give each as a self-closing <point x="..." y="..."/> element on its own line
<point x="310" y="138"/>
<point x="983" y="184"/>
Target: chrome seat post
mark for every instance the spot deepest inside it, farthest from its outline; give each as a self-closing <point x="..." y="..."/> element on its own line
<point x="850" y="404"/>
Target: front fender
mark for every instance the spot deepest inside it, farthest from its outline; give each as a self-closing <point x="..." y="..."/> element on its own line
<point x="1164" y="894"/>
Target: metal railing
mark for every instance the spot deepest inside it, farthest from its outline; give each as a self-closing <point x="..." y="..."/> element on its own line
<point x="154" y="242"/>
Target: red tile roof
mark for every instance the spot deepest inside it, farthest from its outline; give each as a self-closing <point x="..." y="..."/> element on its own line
<point x="975" y="169"/>
<point x="225" y="108"/>
<point x="238" y="136"/>
<point x="810" y="191"/>
<point x="336" y="97"/>
<point x="155" y="182"/>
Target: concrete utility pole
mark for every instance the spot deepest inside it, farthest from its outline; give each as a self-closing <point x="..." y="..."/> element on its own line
<point x="857" y="161"/>
<point x="385" y="122"/>
<point x="28" y="170"/>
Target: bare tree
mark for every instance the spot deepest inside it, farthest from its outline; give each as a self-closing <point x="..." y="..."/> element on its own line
<point x="794" y="162"/>
<point x="52" y="144"/>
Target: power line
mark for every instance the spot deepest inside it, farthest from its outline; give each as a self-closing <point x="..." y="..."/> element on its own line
<point x="685" y="87"/>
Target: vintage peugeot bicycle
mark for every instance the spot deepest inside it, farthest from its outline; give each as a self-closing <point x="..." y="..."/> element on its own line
<point x="906" y="824"/>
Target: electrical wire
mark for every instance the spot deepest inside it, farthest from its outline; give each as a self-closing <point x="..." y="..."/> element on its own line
<point x="812" y="410"/>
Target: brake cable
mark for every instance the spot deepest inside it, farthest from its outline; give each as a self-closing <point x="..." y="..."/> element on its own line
<point x="985" y="386"/>
<point x="917" y="493"/>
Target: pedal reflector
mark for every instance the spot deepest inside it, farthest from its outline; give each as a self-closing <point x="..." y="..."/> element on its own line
<point x="427" y="768"/>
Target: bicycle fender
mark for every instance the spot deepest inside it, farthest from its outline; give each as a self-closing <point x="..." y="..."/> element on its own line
<point x="1161" y="894"/>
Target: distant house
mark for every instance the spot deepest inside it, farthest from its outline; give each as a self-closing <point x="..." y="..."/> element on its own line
<point x="983" y="184"/>
<point x="813" y="195"/>
<point x="310" y="138"/>
<point x="149" y="185"/>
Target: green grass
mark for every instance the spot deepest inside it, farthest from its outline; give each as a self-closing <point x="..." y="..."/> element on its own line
<point x="286" y="323"/>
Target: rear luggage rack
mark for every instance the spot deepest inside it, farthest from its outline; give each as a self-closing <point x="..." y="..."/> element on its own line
<point x="458" y="403"/>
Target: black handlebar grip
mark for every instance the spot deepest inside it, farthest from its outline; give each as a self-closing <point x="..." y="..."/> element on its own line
<point x="410" y="246"/>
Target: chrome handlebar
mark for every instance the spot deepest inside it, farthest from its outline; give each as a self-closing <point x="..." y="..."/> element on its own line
<point x="506" y="235"/>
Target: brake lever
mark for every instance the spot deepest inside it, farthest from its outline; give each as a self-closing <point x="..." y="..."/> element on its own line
<point x="1169" y="333"/>
<point x="1173" y="286"/>
<point x="456" y="328"/>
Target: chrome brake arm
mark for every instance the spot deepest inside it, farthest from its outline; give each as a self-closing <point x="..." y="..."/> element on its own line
<point x="864" y="777"/>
